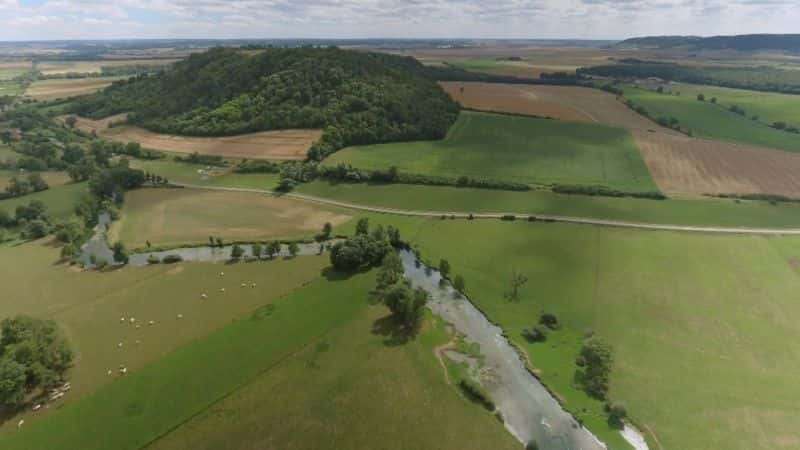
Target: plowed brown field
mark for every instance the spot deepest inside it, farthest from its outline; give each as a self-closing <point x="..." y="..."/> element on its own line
<point x="280" y="144"/>
<point x="684" y="165"/>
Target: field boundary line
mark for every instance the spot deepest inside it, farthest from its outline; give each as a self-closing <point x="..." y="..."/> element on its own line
<point x="500" y="215"/>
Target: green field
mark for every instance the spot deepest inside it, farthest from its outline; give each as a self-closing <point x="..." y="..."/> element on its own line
<point x="89" y="305"/>
<point x="768" y="106"/>
<point x="218" y="176"/>
<point x="448" y="199"/>
<point x="699" y="323"/>
<point x="12" y="88"/>
<point x="302" y="361"/>
<point x="53" y="179"/>
<point x="170" y="217"/>
<point x="518" y="149"/>
<point x="711" y="121"/>
<point x="60" y="200"/>
<point x="6" y="154"/>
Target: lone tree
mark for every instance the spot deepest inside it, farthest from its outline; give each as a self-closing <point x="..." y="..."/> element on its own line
<point x="362" y="227"/>
<point x="458" y="284"/>
<point x="257" y="249"/>
<point x="517" y="281"/>
<point x="406" y="304"/>
<point x="294" y="249"/>
<point x="237" y="252"/>
<point x="71" y="121"/>
<point x="444" y="268"/>
<point x="273" y="249"/>
<point x="701" y="97"/>
<point x="597" y="357"/>
<point x="327" y="229"/>
<point x="120" y="253"/>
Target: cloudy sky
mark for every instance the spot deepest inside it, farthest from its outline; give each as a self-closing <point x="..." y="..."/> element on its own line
<point x="598" y="19"/>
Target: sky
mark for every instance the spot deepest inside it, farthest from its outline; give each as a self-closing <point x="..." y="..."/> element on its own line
<point x="542" y="19"/>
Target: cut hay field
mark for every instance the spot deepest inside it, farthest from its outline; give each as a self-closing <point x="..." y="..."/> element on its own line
<point x="53" y="89"/>
<point x="89" y="305"/>
<point x="60" y="200"/>
<point x="681" y="165"/>
<point x="519" y="149"/>
<point x="699" y="323"/>
<point x="712" y="212"/>
<point x="168" y="217"/>
<point x="277" y="145"/>
<point x="63" y="67"/>
<point x="710" y="121"/>
<point x="561" y="102"/>
<point x="307" y="372"/>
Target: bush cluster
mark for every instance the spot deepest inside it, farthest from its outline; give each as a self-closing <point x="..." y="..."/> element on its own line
<point x="604" y="191"/>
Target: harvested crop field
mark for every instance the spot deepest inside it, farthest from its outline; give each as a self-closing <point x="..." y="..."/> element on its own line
<point x="682" y="165"/>
<point x="53" y="89"/>
<point x="279" y="144"/>
<point x="190" y="216"/>
<point x="559" y="102"/>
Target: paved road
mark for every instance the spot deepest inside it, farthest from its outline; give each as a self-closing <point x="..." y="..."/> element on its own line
<point x="498" y="215"/>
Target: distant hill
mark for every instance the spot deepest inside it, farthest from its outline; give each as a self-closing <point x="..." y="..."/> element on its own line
<point x="748" y="42"/>
<point x="355" y="97"/>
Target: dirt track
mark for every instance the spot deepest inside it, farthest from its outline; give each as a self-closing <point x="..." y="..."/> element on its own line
<point x="498" y="215"/>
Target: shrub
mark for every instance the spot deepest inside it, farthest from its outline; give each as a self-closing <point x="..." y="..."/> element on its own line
<point x="509" y="218"/>
<point x="537" y="333"/>
<point x="549" y="320"/>
<point x="476" y="393"/>
<point x="237" y="252"/>
<point x="101" y="264"/>
<point x="153" y="259"/>
<point x="594" y="376"/>
<point x="171" y="259"/>
<point x="604" y="191"/>
<point x="616" y="415"/>
<point x="531" y="445"/>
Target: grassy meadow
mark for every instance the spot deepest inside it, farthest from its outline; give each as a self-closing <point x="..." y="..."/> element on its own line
<point x="59" y="200"/>
<point x="52" y="178"/>
<point x="710" y="121"/>
<point x="699" y="323"/>
<point x="518" y="149"/>
<point x="307" y="370"/>
<point x="719" y="212"/>
<point x="197" y="174"/>
<point x="770" y="107"/>
<point x="169" y="217"/>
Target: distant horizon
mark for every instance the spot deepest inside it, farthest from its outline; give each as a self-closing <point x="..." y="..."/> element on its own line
<point x="605" y="20"/>
<point x="378" y="38"/>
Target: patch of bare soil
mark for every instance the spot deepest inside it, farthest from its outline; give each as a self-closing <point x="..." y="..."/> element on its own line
<point x="683" y="165"/>
<point x="279" y="144"/>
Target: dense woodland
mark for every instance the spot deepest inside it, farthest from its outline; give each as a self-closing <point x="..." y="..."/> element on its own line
<point x="356" y="97"/>
<point x="754" y="78"/>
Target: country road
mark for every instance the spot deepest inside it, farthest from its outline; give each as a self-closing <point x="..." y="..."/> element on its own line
<point x="498" y="215"/>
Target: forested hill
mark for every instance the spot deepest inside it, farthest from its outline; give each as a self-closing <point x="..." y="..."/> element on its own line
<point x="747" y="42"/>
<point x="356" y="97"/>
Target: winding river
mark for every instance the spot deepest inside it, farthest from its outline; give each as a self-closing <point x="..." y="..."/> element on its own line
<point x="529" y="411"/>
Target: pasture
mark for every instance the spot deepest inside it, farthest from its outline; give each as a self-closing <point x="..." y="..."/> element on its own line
<point x="770" y="107"/>
<point x="64" y="88"/>
<point x="199" y="174"/>
<point x="60" y="200"/>
<point x="711" y="121"/>
<point x="699" y="323"/>
<point x="519" y="149"/>
<point x="169" y="217"/>
<point x="53" y="179"/>
<point x="307" y="367"/>
<point x="89" y="305"/>
<point x="277" y="145"/>
<point x="719" y="212"/>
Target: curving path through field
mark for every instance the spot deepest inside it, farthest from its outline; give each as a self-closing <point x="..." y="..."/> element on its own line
<point x="498" y="215"/>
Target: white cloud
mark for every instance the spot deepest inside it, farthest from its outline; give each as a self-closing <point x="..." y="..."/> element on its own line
<point x="57" y="19"/>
